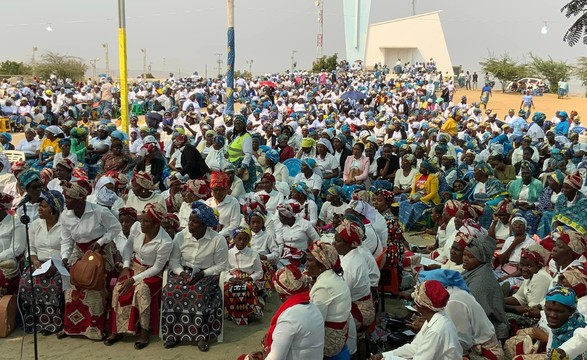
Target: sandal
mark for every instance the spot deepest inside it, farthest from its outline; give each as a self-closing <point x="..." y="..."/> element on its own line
<point x="112" y="340"/>
<point x="141" y="345"/>
<point x="170" y="344"/>
<point x="203" y="345"/>
<point x="61" y="335"/>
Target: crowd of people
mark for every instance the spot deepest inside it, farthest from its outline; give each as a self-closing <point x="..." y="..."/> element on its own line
<point x="305" y="193"/>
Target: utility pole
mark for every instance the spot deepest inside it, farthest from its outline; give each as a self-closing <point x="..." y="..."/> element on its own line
<point x="33" y="62"/>
<point x="250" y="63"/>
<point x="413" y="7"/>
<point x="163" y="64"/>
<point x="93" y="64"/>
<point x="144" y="51"/>
<point x="293" y="64"/>
<point x="219" y="62"/>
<point x="320" y="37"/>
<point x="105" y="46"/>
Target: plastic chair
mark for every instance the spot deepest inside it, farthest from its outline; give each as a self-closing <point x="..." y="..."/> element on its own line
<point x="14" y="156"/>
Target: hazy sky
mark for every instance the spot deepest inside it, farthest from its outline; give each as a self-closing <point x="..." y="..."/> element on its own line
<point x="182" y="35"/>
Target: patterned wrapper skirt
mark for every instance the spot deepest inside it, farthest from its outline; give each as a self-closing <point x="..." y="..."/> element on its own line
<point x="335" y="337"/>
<point x="266" y="283"/>
<point x="242" y="300"/>
<point x="139" y="306"/>
<point x="363" y="312"/>
<point x="85" y="310"/>
<point x="191" y="312"/>
<point x="490" y="350"/>
<point x="49" y="302"/>
<point x="10" y="276"/>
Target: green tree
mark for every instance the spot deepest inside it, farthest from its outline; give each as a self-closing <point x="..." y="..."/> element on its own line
<point x="505" y="69"/>
<point x="64" y="66"/>
<point x="578" y="9"/>
<point x="581" y="70"/>
<point x="9" y="67"/>
<point x="325" y="63"/>
<point x="551" y="70"/>
<point x="244" y="74"/>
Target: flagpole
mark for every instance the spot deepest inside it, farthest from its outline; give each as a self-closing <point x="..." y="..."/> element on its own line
<point x="230" y="59"/>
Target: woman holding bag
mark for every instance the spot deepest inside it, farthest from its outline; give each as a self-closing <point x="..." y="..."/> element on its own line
<point x="84" y="227"/>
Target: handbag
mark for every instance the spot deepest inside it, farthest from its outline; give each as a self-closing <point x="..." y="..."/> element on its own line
<point x="88" y="272"/>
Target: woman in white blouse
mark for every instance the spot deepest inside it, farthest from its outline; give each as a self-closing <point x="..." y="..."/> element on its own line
<point x="244" y="270"/>
<point x="12" y="246"/>
<point x="45" y="240"/>
<point x="143" y="192"/>
<point x="198" y="257"/>
<point x="404" y="176"/>
<point x="263" y="242"/>
<point x="136" y="296"/>
<point x="332" y="296"/>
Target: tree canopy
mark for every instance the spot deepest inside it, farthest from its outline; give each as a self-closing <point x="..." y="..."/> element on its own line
<point x="576" y="9"/>
<point x="325" y="63"/>
<point x="9" y="67"/>
<point x="505" y="69"/>
<point x="64" y="66"/>
<point x="551" y="70"/>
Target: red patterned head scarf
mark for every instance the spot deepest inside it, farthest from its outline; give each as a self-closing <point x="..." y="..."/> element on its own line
<point x="452" y="207"/>
<point x="173" y="221"/>
<point x="156" y="212"/>
<point x="180" y="140"/>
<point x="6" y="202"/>
<point x="67" y="164"/>
<point x="46" y="175"/>
<point x="351" y="233"/>
<point x="576" y="276"/>
<point x="575" y="241"/>
<point x="574" y="180"/>
<point x="469" y="231"/>
<point x="121" y="180"/>
<point x="387" y="195"/>
<point x="268" y="177"/>
<point x="431" y="294"/>
<point x="289" y="280"/>
<point x="18" y="167"/>
<point x="219" y="180"/>
<point x="505" y="207"/>
<point x="128" y="211"/>
<point x="144" y="180"/>
<point x="326" y="255"/>
<point x="536" y="253"/>
<point x="289" y="209"/>
<point x="78" y="190"/>
<point x="197" y="187"/>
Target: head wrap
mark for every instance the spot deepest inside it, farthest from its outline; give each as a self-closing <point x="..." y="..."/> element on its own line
<point x="289" y="209"/>
<point x="426" y="164"/>
<point x="481" y="248"/>
<point x="120" y="179"/>
<point x="180" y="140"/>
<point x="256" y="201"/>
<point x="272" y="155"/>
<point x="409" y="158"/>
<point x="445" y="277"/>
<point x="106" y="197"/>
<point x="78" y="190"/>
<point x="66" y="141"/>
<point x="308" y="142"/>
<point x="6" y="202"/>
<point x="172" y="220"/>
<point x="337" y="191"/>
<point x="26" y="177"/>
<point x="365" y="209"/>
<point x="128" y="211"/>
<point x="505" y="206"/>
<point x="7" y="136"/>
<point x="289" y="280"/>
<point x="240" y="118"/>
<point x="18" y="167"/>
<point x="574" y="241"/>
<point x="468" y="231"/>
<point x="240" y="229"/>
<point x="451" y="207"/>
<point x="536" y="253"/>
<point x="558" y="176"/>
<point x="46" y="175"/>
<point x="67" y="164"/>
<point x="326" y="255"/>
<point x="576" y="276"/>
<point x="538" y="117"/>
<point x="443" y="136"/>
<point x="387" y="196"/>
<point x="518" y="218"/>
<point x="484" y="167"/>
<point x="268" y="177"/>
<point x="562" y="295"/>
<point x="431" y="294"/>
<point x="574" y="180"/>
<point x="524" y="164"/>
<point x="156" y="212"/>
<point x="351" y="232"/>
<point x="197" y="187"/>
<point x="219" y="139"/>
<point x="144" y="180"/>
<point x="302" y="188"/>
<point x="219" y="179"/>
<point x="205" y="213"/>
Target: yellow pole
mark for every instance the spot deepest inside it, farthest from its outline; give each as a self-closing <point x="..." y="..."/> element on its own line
<point x="122" y="64"/>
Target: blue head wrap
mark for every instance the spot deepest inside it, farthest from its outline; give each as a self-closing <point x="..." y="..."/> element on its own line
<point x="28" y="176"/>
<point x="205" y="213"/>
<point x="311" y="163"/>
<point x="429" y="166"/>
<point x="64" y="141"/>
<point x="563" y="114"/>
<point x="302" y="188"/>
<point x="445" y="277"/>
<point x="562" y="295"/>
<point x="538" y="117"/>
<point x="337" y="191"/>
<point x="484" y="168"/>
<point x="7" y="136"/>
<point x="54" y="199"/>
<point x="219" y="139"/>
<point x="117" y="134"/>
<point x="240" y="118"/>
<point x="272" y="155"/>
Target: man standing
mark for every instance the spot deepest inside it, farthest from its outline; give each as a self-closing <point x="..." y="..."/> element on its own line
<point x="475" y="80"/>
<point x="106" y="96"/>
<point x="468" y="81"/>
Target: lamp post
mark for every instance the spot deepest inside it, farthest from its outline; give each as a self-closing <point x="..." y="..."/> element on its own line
<point x="105" y="46"/>
<point x="122" y="63"/>
<point x="320" y="38"/>
<point x="293" y="64"/>
<point x="93" y="64"/>
<point x="144" y="51"/>
<point x="250" y="63"/>
<point x="33" y="62"/>
<point x="219" y="62"/>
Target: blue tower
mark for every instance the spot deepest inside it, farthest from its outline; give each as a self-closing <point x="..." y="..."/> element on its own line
<point x="356" y="26"/>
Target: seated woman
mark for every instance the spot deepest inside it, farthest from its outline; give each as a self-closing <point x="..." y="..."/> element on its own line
<point x="508" y="258"/>
<point x="137" y="295"/>
<point x="525" y="194"/>
<point x="226" y="205"/>
<point x="263" y="242"/>
<point x="438" y="338"/>
<point x="485" y="191"/>
<point x="293" y="234"/>
<point x="547" y="201"/>
<point x="104" y="188"/>
<point x="387" y="166"/>
<point x="296" y="330"/>
<point x="569" y="247"/>
<point x="327" y="163"/>
<point x="335" y="204"/>
<point x="404" y="176"/>
<point x="127" y="218"/>
<point x="191" y="191"/>
<point x="562" y="320"/>
<point x="143" y="192"/>
<point x="480" y="279"/>
<point x="500" y="225"/>
<point x="285" y="150"/>
<point x="423" y="196"/>
<point x="12" y="247"/>
<point x="152" y="162"/>
<point x="570" y="208"/>
<point x="476" y="332"/>
<point x="241" y="296"/>
<point x="450" y="174"/>
<point x="356" y="171"/>
<point x="502" y="172"/>
<point x="331" y="295"/>
<point x="275" y="167"/>
<point x="115" y="160"/>
<point x="310" y="175"/>
<point x="523" y="307"/>
<point x="45" y="238"/>
<point x="198" y="257"/>
<point x="301" y="193"/>
<point x="267" y="185"/>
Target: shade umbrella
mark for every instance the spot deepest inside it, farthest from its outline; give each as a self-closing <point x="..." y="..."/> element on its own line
<point x="353" y="95"/>
<point x="268" y="83"/>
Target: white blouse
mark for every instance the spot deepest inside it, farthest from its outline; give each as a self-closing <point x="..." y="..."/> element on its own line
<point x="229" y="211"/>
<point x="332" y="297"/>
<point x="11" y="228"/>
<point x="328" y="211"/>
<point x="314" y="182"/>
<point x="328" y="164"/>
<point x="309" y="212"/>
<point x="153" y="254"/>
<point x="404" y="182"/>
<point x="264" y="243"/>
<point x="210" y="253"/>
<point x="294" y="238"/>
<point x="45" y="244"/>
<point x="139" y="204"/>
<point x="356" y="274"/>
<point x="281" y="173"/>
<point x="246" y="260"/>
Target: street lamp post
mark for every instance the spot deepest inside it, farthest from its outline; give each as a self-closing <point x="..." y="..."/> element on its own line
<point x="105" y="46"/>
<point x="144" y="51"/>
<point x="122" y="62"/>
<point x="250" y="63"/>
<point x="293" y="63"/>
<point x="33" y="62"/>
<point x="93" y="64"/>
